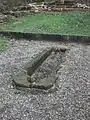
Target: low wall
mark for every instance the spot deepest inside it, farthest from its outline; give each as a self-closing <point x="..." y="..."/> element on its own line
<point x="49" y="37"/>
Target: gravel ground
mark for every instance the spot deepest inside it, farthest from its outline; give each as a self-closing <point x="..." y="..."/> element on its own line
<point x="70" y="102"/>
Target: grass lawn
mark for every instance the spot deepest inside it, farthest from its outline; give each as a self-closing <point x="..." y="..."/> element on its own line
<point x="4" y="44"/>
<point x="72" y="23"/>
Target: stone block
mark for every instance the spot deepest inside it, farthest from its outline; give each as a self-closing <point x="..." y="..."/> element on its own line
<point x="31" y="66"/>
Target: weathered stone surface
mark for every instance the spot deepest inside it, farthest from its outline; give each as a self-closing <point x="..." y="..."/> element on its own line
<point x="45" y="76"/>
<point x="23" y="79"/>
<point x="45" y="83"/>
<point x="31" y="66"/>
<point x="20" y="80"/>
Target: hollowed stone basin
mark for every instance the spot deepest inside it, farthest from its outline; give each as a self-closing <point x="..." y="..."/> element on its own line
<point x="40" y="73"/>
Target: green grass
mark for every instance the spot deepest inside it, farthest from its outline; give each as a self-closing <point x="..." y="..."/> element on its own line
<point x="4" y="44"/>
<point x="72" y="23"/>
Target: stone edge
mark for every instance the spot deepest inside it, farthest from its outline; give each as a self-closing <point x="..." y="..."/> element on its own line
<point x="46" y="37"/>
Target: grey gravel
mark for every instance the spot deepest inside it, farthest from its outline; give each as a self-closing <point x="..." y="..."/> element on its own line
<point x="71" y="101"/>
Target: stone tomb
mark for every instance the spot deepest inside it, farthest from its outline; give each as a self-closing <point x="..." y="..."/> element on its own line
<point x="41" y="71"/>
